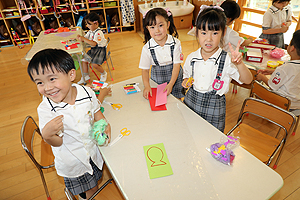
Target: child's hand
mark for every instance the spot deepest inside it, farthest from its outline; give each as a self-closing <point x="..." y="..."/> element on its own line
<point x="265" y="71"/>
<point x="184" y="83"/>
<point x="284" y="28"/>
<point x="236" y="56"/>
<point x="52" y="130"/>
<point x="147" y="91"/>
<point x="108" y="132"/>
<point x="80" y="38"/>
<point x="168" y="88"/>
<point x="260" y="76"/>
<point x="106" y="91"/>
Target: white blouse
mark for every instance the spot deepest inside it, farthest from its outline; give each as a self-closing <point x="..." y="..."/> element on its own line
<point x="72" y="157"/>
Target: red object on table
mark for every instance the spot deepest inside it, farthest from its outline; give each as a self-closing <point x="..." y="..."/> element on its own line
<point x="152" y="100"/>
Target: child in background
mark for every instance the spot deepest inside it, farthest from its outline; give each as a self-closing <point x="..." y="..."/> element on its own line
<point x="162" y="51"/>
<point x="286" y="78"/>
<point x="66" y="115"/>
<point x="276" y="21"/>
<point x="96" y="39"/>
<point x="212" y="68"/>
<point x="232" y="11"/>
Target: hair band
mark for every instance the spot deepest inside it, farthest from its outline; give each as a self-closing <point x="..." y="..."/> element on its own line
<point x="203" y="7"/>
<point x="166" y="9"/>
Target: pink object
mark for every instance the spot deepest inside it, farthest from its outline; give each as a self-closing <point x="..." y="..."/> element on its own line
<point x="277" y="53"/>
<point x="161" y="96"/>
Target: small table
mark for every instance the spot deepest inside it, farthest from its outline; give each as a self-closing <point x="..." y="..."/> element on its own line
<point x="185" y="135"/>
<point x="53" y="40"/>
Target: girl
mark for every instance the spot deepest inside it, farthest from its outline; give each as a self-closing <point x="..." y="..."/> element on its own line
<point x="276" y="21"/>
<point x="96" y="39"/>
<point x="232" y="11"/>
<point x="65" y="118"/>
<point x="212" y="68"/>
<point x="162" y="51"/>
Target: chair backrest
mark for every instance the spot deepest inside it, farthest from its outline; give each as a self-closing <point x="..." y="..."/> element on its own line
<point x="28" y="132"/>
<point x="269" y="111"/>
<point x="261" y="92"/>
<point x="248" y="86"/>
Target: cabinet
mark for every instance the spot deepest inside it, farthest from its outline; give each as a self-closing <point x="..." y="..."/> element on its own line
<point x="38" y="15"/>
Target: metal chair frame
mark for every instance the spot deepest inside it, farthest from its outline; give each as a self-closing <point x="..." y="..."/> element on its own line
<point x="28" y="130"/>
<point x="283" y="119"/>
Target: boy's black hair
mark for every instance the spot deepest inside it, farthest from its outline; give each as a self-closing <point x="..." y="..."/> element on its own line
<point x="48" y="59"/>
<point x="232" y="10"/>
<point x="279" y="1"/>
<point x="91" y="17"/>
<point x="213" y="18"/>
<point x="150" y="20"/>
<point x="296" y="41"/>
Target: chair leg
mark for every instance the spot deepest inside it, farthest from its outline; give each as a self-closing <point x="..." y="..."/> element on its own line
<point x="44" y="183"/>
<point x="109" y="68"/>
<point x="295" y="128"/>
<point x="234" y="89"/>
<point x="94" y="72"/>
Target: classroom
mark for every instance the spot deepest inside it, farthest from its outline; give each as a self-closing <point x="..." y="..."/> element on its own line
<point x="23" y="33"/>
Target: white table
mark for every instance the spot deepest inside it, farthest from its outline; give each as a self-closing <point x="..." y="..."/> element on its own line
<point x="185" y="135"/>
<point x="53" y="40"/>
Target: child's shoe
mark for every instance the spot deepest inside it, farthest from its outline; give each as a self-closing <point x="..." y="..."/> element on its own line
<point x="103" y="76"/>
<point x="86" y="78"/>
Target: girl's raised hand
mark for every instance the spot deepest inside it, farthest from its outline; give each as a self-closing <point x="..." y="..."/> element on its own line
<point x="236" y="56"/>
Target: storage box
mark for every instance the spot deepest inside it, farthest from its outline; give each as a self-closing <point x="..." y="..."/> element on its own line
<point x="110" y="4"/>
<point x="9" y="14"/>
<point x="262" y="46"/>
<point x="63" y="9"/>
<point x="44" y="11"/>
<point x="254" y="55"/>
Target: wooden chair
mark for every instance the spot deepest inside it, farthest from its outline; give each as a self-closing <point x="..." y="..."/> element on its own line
<point x="247" y="86"/>
<point x="46" y="161"/>
<point x="258" y="143"/>
<point x="261" y="92"/>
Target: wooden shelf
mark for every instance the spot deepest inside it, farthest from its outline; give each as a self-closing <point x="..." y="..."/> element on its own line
<point x="11" y="7"/>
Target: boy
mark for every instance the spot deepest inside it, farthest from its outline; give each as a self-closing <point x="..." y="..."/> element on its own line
<point x="66" y="115"/>
<point x="286" y="78"/>
<point x="232" y="11"/>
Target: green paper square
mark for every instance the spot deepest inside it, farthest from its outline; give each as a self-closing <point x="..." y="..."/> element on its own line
<point x="157" y="161"/>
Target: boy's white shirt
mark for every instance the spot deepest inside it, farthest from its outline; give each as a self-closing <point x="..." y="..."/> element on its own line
<point x="232" y="37"/>
<point x="205" y="72"/>
<point x="275" y="19"/>
<point x="98" y="37"/>
<point x="72" y="157"/>
<point x="163" y="54"/>
<point x="286" y="81"/>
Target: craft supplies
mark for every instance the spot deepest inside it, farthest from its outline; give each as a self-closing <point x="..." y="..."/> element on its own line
<point x="123" y="132"/>
<point x="222" y="151"/>
<point x="277" y="53"/>
<point x="71" y="43"/>
<point x="97" y="132"/>
<point x="115" y="106"/>
<point x="254" y="55"/>
<point x="97" y="85"/>
<point x="131" y="88"/>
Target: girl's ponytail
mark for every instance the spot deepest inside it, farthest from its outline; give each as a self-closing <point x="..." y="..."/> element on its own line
<point x="172" y="27"/>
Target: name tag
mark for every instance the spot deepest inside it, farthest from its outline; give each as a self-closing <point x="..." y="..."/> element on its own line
<point x="217" y="84"/>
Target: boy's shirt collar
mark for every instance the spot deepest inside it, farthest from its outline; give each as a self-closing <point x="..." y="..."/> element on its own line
<point x="81" y="97"/>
